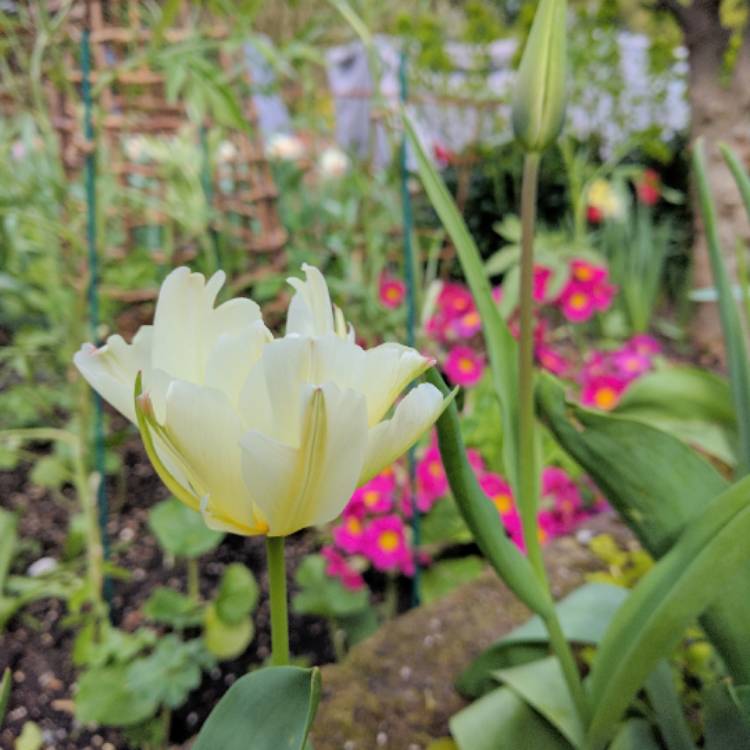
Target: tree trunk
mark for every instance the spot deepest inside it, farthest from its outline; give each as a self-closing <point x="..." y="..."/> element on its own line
<point x="720" y="112"/>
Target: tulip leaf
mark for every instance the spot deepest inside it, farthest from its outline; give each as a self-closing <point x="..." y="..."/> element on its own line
<point x="635" y="734"/>
<point x="501" y="720"/>
<point x="735" y="339"/>
<point x="691" y="404"/>
<point x="542" y="685"/>
<point x="674" y="592"/>
<point x="726" y="724"/>
<point x="662" y="695"/>
<point x="634" y="465"/>
<point x="501" y="346"/>
<point x="584" y="616"/>
<point x="180" y="530"/>
<point x="4" y="694"/>
<point x="480" y="514"/>
<point x="8" y="525"/>
<point x="269" y="709"/>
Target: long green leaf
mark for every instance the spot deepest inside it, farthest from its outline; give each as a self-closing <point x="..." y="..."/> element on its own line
<point x="501" y="346"/>
<point x="725" y="724"/>
<point x="662" y="694"/>
<point x="693" y="404"/>
<point x="635" y="466"/>
<point x="731" y="323"/>
<point x="739" y="173"/>
<point x="635" y="734"/>
<point x="676" y="590"/>
<point x="269" y="709"/>
<point x="8" y="525"/>
<point x="481" y="516"/>
<point x="542" y="685"/>
<point x="502" y="721"/>
<point x="584" y="615"/>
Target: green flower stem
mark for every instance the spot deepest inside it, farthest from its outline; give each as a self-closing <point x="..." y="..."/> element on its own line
<point x="277" y="587"/>
<point x="527" y="469"/>
<point x="193" y="579"/>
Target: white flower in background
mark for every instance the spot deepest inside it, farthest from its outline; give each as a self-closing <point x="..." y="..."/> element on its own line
<point x="285" y="147"/>
<point x="333" y="162"/>
<point x="262" y="435"/>
<point x="226" y="152"/>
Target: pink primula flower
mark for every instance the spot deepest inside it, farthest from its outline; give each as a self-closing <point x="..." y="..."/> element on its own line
<point x="541" y="278"/>
<point x="603" y="391"/>
<point x="464" y="366"/>
<point x="499" y="491"/>
<point x="391" y="291"/>
<point x="467" y="325"/>
<point x="551" y="360"/>
<point x="349" y="534"/>
<point x="374" y="497"/>
<point x="337" y="566"/>
<point x="386" y="545"/>
<point x="644" y="344"/>
<point x="630" y="364"/>
<point x="454" y="299"/>
<point x="432" y="483"/>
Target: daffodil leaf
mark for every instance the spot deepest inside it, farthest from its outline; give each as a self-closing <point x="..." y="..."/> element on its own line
<point x="269" y="709"/>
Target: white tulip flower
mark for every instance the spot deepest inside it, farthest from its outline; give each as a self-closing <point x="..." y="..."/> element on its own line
<point x="261" y="435"/>
<point x="333" y="162"/>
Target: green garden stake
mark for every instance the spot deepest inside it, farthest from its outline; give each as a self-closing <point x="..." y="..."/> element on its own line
<point x="93" y="291"/>
<point x="208" y="192"/>
<point x="411" y="314"/>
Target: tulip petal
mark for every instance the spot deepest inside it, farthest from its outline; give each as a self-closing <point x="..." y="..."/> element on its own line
<point x="309" y="483"/>
<point x="387" y="370"/>
<point x="310" y="311"/>
<point x="111" y="370"/>
<point x="232" y="358"/>
<point x="186" y="325"/>
<point x="414" y="415"/>
<point x="204" y="429"/>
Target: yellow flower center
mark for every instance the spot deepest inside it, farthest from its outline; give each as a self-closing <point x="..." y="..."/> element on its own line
<point x="584" y="273"/>
<point x="353" y="526"/>
<point x="389" y="541"/>
<point x="503" y="502"/>
<point x="435" y="470"/>
<point x="392" y="293"/>
<point x="371" y="498"/>
<point x="471" y="319"/>
<point x="605" y="397"/>
<point x="465" y="365"/>
<point x="578" y="301"/>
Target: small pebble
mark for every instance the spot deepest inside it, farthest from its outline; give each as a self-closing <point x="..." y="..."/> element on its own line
<point x="405" y="672"/>
<point x="382" y="739"/>
<point x="41" y="567"/>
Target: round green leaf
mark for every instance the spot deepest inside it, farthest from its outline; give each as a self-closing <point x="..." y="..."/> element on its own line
<point x="224" y="640"/>
<point x="238" y="594"/>
<point x="181" y="531"/>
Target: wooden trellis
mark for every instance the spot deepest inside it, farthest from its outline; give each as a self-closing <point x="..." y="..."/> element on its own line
<point x="131" y="103"/>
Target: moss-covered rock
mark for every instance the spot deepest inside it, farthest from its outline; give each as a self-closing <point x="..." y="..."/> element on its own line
<point x="395" y="690"/>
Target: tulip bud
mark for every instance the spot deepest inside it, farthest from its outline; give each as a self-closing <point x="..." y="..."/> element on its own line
<point x="539" y="97"/>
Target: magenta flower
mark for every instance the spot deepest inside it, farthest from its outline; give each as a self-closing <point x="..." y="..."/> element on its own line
<point x="467" y="325"/>
<point x="464" y="366"/>
<point x="391" y="291"/>
<point x="376" y="496"/>
<point x="337" y="566"/>
<point x="541" y="277"/>
<point x="551" y="360"/>
<point x="603" y="391"/>
<point x="386" y="547"/>
<point x="349" y="534"/>
<point x="432" y="483"/>
<point x="630" y="364"/>
<point x="587" y="273"/>
<point x="644" y="344"/>
<point x="454" y="299"/>
<point x="564" y="494"/>
<point x="577" y="303"/>
<point x="499" y="491"/>
<point x="476" y="461"/>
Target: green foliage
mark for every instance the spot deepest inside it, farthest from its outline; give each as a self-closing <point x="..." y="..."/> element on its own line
<point x="5" y="685"/>
<point x="322" y="595"/>
<point x="238" y="594"/>
<point x="226" y="640"/>
<point x="447" y="575"/>
<point x="126" y="691"/>
<point x="275" y="706"/>
<point x="180" y="530"/>
<point x="169" y="607"/>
